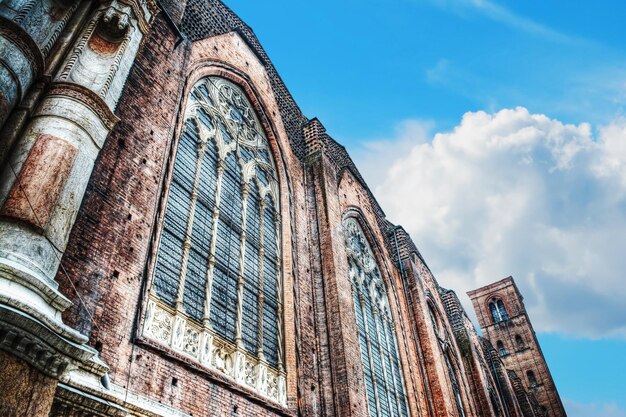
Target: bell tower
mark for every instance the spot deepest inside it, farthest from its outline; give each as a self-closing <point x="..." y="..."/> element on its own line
<point x="504" y="322"/>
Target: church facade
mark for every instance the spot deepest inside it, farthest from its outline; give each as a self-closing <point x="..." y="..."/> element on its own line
<point x="178" y="239"/>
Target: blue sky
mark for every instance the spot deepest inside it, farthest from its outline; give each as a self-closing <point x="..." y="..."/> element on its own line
<point x="495" y="132"/>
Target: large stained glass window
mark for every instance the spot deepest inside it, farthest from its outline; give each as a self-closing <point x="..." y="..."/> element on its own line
<point x="379" y="353"/>
<point x="217" y="293"/>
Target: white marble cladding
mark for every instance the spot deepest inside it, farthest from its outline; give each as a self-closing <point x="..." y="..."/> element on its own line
<point x="174" y="330"/>
<point x="104" y="52"/>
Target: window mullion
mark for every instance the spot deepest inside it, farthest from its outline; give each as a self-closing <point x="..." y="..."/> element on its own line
<point x="382" y="356"/>
<point x="369" y="350"/>
<point x="187" y="242"/>
<point x="216" y="214"/>
<point x="393" y="371"/>
<point x="242" y="251"/>
<point x="279" y="293"/>
<point x="261" y="296"/>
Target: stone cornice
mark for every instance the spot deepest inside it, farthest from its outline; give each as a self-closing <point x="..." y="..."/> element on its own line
<point x="16" y="34"/>
<point x="144" y="11"/>
<point x="37" y="344"/>
<point x="87" y="96"/>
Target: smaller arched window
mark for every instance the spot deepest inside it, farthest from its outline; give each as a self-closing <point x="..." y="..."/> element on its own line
<point x="498" y="311"/>
<point x="382" y="370"/>
<point x="519" y="341"/>
<point x="435" y="319"/>
<point x="501" y="349"/>
<point x="532" y="381"/>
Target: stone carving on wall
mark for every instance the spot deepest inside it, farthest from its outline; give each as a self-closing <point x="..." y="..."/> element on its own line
<point x="359" y="252"/>
<point x="188" y="339"/>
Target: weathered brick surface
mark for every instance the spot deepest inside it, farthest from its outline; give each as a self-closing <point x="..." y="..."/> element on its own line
<point x="520" y="357"/>
<point x="107" y="268"/>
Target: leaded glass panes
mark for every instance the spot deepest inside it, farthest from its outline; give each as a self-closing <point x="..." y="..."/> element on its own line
<point x="379" y="355"/>
<point x="217" y="265"/>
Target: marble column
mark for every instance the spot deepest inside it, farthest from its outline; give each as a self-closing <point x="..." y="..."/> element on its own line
<point x="44" y="179"/>
<point x="28" y="32"/>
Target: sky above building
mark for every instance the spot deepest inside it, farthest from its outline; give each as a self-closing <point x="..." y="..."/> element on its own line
<point x="495" y="132"/>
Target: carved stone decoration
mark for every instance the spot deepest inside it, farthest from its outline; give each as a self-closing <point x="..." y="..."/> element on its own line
<point x="115" y="22"/>
<point x="191" y="342"/>
<point x="178" y="335"/>
<point x="158" y="323"/>
<point x="61" y="143"/>
<point x="272" y="386"/>
<point x="282" y="389"/>
<point x="250" y="374"/>
<point x="359" y="252"/>
<point x="167" y="327"/>
<point x="28" y="31"/>
<point x="206" y="348"/>
<point x="222" y="100"/>
<point x="261" y="381"/>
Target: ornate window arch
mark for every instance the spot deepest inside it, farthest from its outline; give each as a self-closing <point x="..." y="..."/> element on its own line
<point x="379" y="354"/>
<point x="216" y="295"/>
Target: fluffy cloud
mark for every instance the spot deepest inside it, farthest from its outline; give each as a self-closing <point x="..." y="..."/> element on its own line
<point x="514" y="193"/>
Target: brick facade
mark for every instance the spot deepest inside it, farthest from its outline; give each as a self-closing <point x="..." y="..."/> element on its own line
<point x="107" y="268"/>
<point x="519" y="348"/>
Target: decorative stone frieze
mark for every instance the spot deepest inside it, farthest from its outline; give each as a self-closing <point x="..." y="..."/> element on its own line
<point x="171" y="329"/>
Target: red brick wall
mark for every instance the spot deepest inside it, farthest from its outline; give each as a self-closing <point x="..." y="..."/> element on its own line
<point x="108" y="263"/>
<point x="529" y="356"/>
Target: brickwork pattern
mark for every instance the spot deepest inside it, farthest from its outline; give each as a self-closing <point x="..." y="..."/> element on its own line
<point x="523" y="353"/>
<point x="106" y="271"/>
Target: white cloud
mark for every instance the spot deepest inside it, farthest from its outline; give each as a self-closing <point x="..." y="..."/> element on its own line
<point x="514" y="193"/>
<point x="575" y="409"/>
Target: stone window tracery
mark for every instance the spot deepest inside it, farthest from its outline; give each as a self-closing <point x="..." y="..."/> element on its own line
<point x="379" y="355"/>
<point x="217" y="289"/>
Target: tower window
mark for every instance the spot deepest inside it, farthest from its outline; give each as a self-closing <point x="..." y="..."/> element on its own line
<point x="501" y="349"/>
<point x="384" y="383"/>
<point x="498" y="311"/>
<point x="532" y="381"/>
<point x="519" y="341"/>
<point x="216" y="292"/>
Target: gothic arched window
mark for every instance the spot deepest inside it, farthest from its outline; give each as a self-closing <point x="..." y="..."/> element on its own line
<point x="379" y="354"/>
<point x="501" y="349"/>
<point x="498" y="311"/>
<point x="519" y="341"/>
<point x="532" y="381"/>
<point x="503" y="314"/>
<point x="217" y="290"/>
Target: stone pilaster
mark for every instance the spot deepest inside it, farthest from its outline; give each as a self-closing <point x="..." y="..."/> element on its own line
<point x="43" y="182"/>
<point x="28" y="31"/>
